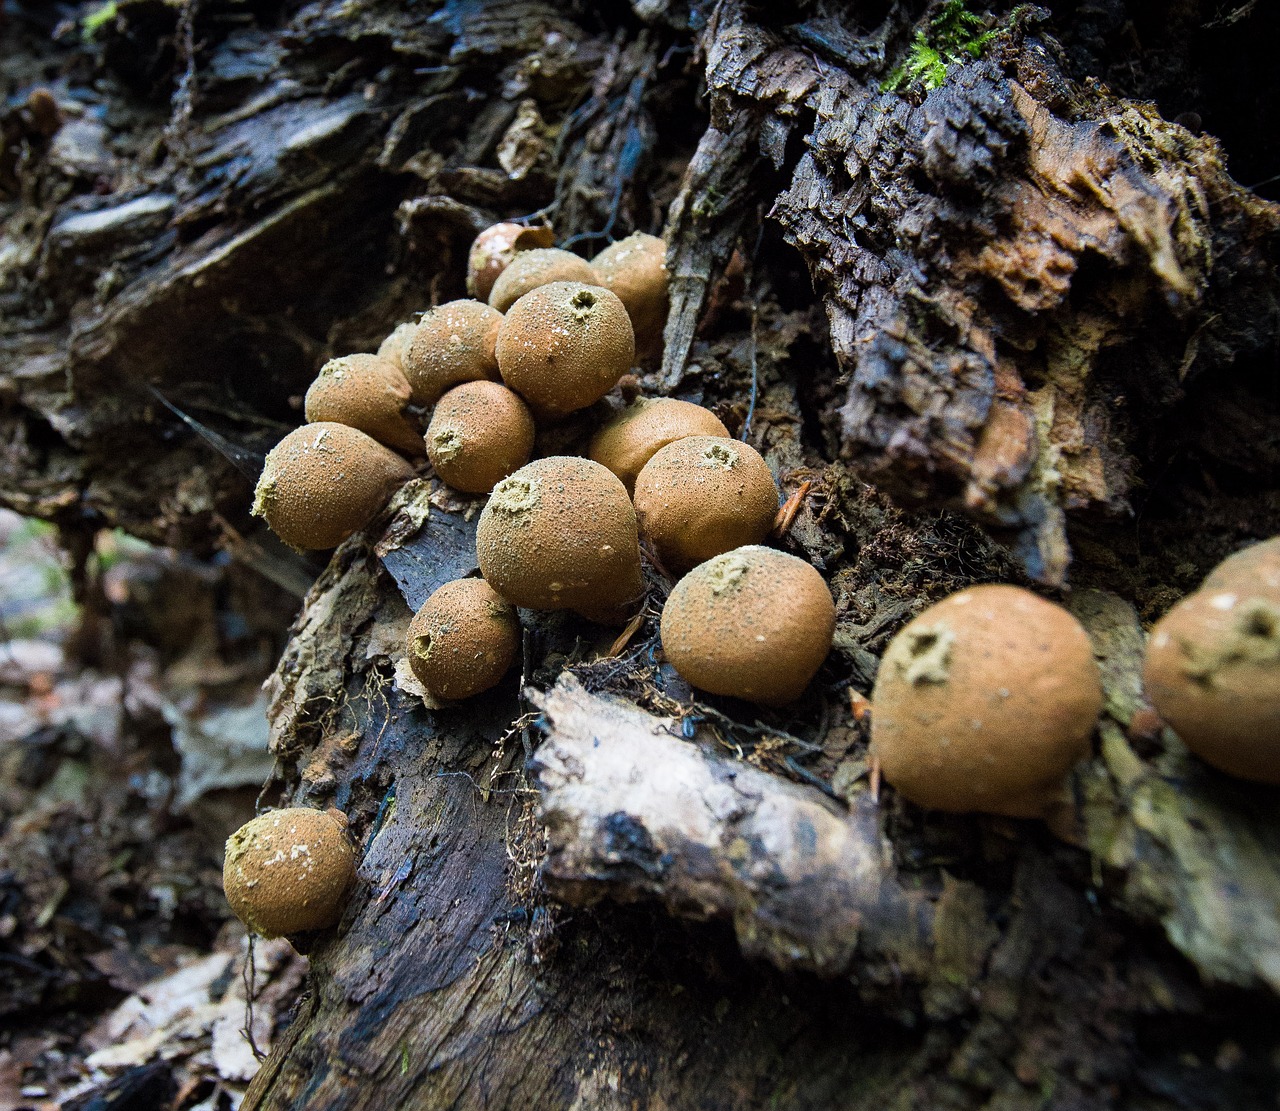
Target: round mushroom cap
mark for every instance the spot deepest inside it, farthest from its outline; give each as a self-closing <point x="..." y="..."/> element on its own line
<point x="539" y="267"/>
<point x="1255" y="570"/>
<point x="644" y="427"/>
<point x="451" y="344"/>
<point x="493" y="250"/>
<point x="984" y="702"/>
<point x="703" y="495"/>
<point x="479" y="433"/>
<point x="1212" y="672"/>
<point x="325" y="481"/>
<point x="394" y="347"/>
<point x="560" y="533"/>
<point x="365" y="392"/>
<point x="753" y="623"/>
<point x="463" y="639"/>
<point x="635" y="269"/>
<point x="287" y="871"/>
<point x="564" y="346"/>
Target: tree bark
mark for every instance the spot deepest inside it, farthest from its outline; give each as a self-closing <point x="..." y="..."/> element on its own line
<point x="1038" y="309"/>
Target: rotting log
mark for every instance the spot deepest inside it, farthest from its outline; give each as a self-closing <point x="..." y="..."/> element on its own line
<point x="1038" y="304"/>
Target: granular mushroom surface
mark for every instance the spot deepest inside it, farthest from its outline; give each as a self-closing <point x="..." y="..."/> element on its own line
<point x="702" y="495"/>
<point x="643" y="428"/>
<point x="325" y="481"/>
<point x="479" y="433"/>
<point x="1212" y="672"/>
<point x="984" y="702"/>
<point x="494" y="248"/>
<point x="531" y="269"/>
<point x="451" y="344"/>
<point x="564" y="346"/>
<point x="560" y="533"/>
<point x="753" y="623"/>
<point x="635" y="268"/>
<point x="365" y="392"/>
<point x="463" y="639"/>
<point x="287" y="871"/>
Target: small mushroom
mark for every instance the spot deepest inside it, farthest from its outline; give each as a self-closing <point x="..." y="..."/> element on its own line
<point x="1212" y="672"/>
<point x="395" y="346"/>
<point x="493" y="250"/>
<point x="564" y="346"/>
<point x="325" y="481"/>
<point x="703" y="495"/>
<point x="984" y="702"/>
<point x="753" y="623"/>
<point x="1255" y="568"/>
<point x="632" y="438"/>
<point x="635" y="269"/>
<point x="365" y="392"/>
<point x="539" y="267"/>
<point x="463" y="639"/>
<point x="288" y="871"/>
<point x="451" y="344"/>
<point x="560" y="533"/>
<point x="479" y="433"/>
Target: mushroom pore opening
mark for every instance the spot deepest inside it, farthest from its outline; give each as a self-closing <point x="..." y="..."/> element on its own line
<point x="515" y="495"/>
<point x="726" y="572"/>
<point x="447" y="442"/>
<point x="719" y="455"/>
<point x="926" y="655"/>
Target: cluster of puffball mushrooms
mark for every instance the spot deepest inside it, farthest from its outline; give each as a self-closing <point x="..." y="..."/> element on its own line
<point x="984" y="702"/>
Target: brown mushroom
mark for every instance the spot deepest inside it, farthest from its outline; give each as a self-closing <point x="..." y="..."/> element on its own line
<point x="560" y="533"/>
<point x="635" y="269"/>
<point x="564" y="346"/>
<point x="394" y="347"/>
<point x="754" y="623"/>
<point x="325" y="481"/>
<point x="539" y="267"/>
<point x="451" y="344"/>
<point x="479" y="433"/>
<point x="635" y="435"/>
<point x="1256" y="568"/>
<point x="703" y="495"/>
<point x="287" y="871"/>
<point x="1212" y="672"/>
<point x="984" y="702"/>
<point x="494" y="248"/>
<point x="463" y="639"/>
<point x="365" y="392"/>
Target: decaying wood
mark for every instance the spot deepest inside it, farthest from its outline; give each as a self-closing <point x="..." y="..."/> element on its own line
<point x="1036" y="304"/>
<point x="634" y="810"/>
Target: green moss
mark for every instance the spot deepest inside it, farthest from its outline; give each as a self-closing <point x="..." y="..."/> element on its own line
<point x="94" y="21"/>
<point x="953" y="35"/>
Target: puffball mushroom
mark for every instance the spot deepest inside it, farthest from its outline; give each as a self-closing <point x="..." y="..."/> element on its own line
<point x="325" y="481"/>
<point x="493" y="250"/>
<point x="1212" y="672"/>
<point x="451" y="344"/>
<point x="463" y="639"/>
<point x="703" y="495"/>
<point x="560" y="533"/>
<point x="754" y="623"/>
<point x="1255" y="568"/>
<point x="644" y="427"/>
<point x="539" y="267"/>
<point x="287" y="871"/>
<point x="365" y="392"/>
<point x="635" y="269"/>
<point x="984" y="702"/>
<point x="563" y="346"/>
<point x="479" y="433"/>
<point x="393" y="348"/>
